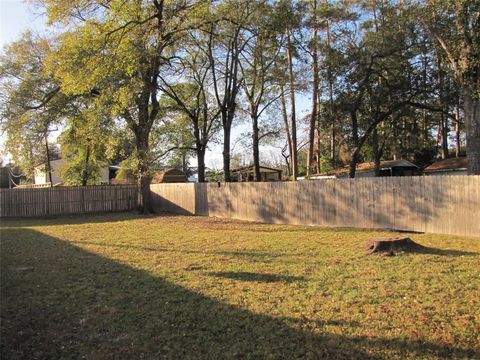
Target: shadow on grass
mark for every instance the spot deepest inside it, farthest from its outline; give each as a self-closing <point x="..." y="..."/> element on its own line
<point x="257" y="277"/>
<point x="444" y="252"/>
<point x="425" y="250"/>
<point x="253" y="256"/>
<point x="79" y="219"/>
<point x="87" y="218"/>
<point x="60" y="301"/>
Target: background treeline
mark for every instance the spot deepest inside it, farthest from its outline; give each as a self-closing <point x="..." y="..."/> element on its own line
<point x="139" y="82"/>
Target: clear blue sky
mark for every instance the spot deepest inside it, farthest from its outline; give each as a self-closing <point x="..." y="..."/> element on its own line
<point x="18" y="16"/>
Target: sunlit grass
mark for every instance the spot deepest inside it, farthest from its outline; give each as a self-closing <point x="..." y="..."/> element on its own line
<point x="115" y="286"/>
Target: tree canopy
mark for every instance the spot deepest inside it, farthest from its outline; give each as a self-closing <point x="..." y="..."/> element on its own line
<point x="153" y="81"/>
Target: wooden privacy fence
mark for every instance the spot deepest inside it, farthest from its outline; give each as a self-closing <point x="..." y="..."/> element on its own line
<point x="62" y="200"/>
<point x="433" y="204"/>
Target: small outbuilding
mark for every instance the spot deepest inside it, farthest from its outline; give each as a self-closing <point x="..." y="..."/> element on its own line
<point x="170" y="175"/>
<point x="247" y="173"/>
<point x="387" y="168"/>
<point x="452" y="166"/>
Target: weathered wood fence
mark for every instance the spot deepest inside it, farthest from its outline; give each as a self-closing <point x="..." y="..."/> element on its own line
<point x="433" y="204"/>
<point x="62" y="200"/>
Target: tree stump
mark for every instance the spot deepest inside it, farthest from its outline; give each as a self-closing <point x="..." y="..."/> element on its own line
<point x="389" y="245"/>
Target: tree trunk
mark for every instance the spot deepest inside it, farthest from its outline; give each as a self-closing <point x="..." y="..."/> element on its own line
<point x="292" y="110"/>
<point x="32" y="169"/>
<point x="356" y="152"/>
<point x="442" y="128"/>
<point x="184" y="163"/>
<point x="377" y="153"/>
<point x="353" y="164"/>
<point x="444" y="120"/>
<point x="318" y="150"/>
<point x="391" y="244"/>
<point x="256" y="151"/>
<point x="287" y="129"/>
<point x="144" y="204"/>
<point x="85" y="174"/>
<point x="48" y="166"/>
<point x="201" y="164"/>
<point x="226" y="153"/>
<point x="471" y="110"/>
<point x="333" y="115"/>
<point x="457" y="131"/>
<point x="314" y="114"/>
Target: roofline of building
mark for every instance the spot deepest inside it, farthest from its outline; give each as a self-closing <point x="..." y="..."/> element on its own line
<point x="444" y="170"/>
<point x="253" y="167"/>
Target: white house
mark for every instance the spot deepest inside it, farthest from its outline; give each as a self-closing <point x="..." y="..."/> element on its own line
<point x="57" y="166"/>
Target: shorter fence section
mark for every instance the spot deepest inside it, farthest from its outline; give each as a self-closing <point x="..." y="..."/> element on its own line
<point x="64" y="200"/>
<point x="176" y="198"/>
<point x="431" y="204"/>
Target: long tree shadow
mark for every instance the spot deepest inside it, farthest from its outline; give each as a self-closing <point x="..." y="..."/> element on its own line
<point x="60" y="301"/>
<point x="442" y="252"/>
<point x="76" y="219"/>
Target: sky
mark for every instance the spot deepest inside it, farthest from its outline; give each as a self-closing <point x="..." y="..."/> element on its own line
<point x="18" y="16"/>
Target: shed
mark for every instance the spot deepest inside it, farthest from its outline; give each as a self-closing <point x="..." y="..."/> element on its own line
<point x="453" y="166"/>
<point x="247" y="173"/>
<point x="170" y="175"/>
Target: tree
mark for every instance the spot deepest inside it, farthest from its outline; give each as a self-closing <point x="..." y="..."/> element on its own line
<point x="193" y="98"/>
<point x="32" y="102"/>
<point x="119" y="49"/>
<point x="84" y="143"/>
<point x="257" y="64"/>
<point x="314" y="115"/>
<point x="455" y="25"/>
<point x="291" y="19"/>
<point x="226" y="42"/>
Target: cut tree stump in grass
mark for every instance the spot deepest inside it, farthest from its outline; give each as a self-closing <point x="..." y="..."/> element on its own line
<point x="389" y="245"/>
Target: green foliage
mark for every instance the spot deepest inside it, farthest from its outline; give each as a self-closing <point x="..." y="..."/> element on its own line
<point x="162" y="77"/>
<point x="214" y="175"/>
<point x="31" y="102"/>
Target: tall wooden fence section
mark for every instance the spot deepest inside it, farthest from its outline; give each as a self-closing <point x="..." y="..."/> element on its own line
<point x="433" y="204"/>
<point x="174" y="198"/>
<point x="66" y="200"/>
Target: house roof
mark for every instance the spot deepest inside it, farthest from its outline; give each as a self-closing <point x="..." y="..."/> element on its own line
<point x="370" y="166"/>
<point x="169" y="175"/>
<point x="459" y="163"/>
<point x="251" y="168"/>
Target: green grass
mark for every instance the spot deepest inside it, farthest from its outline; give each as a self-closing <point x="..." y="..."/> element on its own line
<point x="122" y="286"/>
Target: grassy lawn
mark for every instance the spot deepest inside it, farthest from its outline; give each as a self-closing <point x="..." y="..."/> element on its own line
<point x="121" y="286"/>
